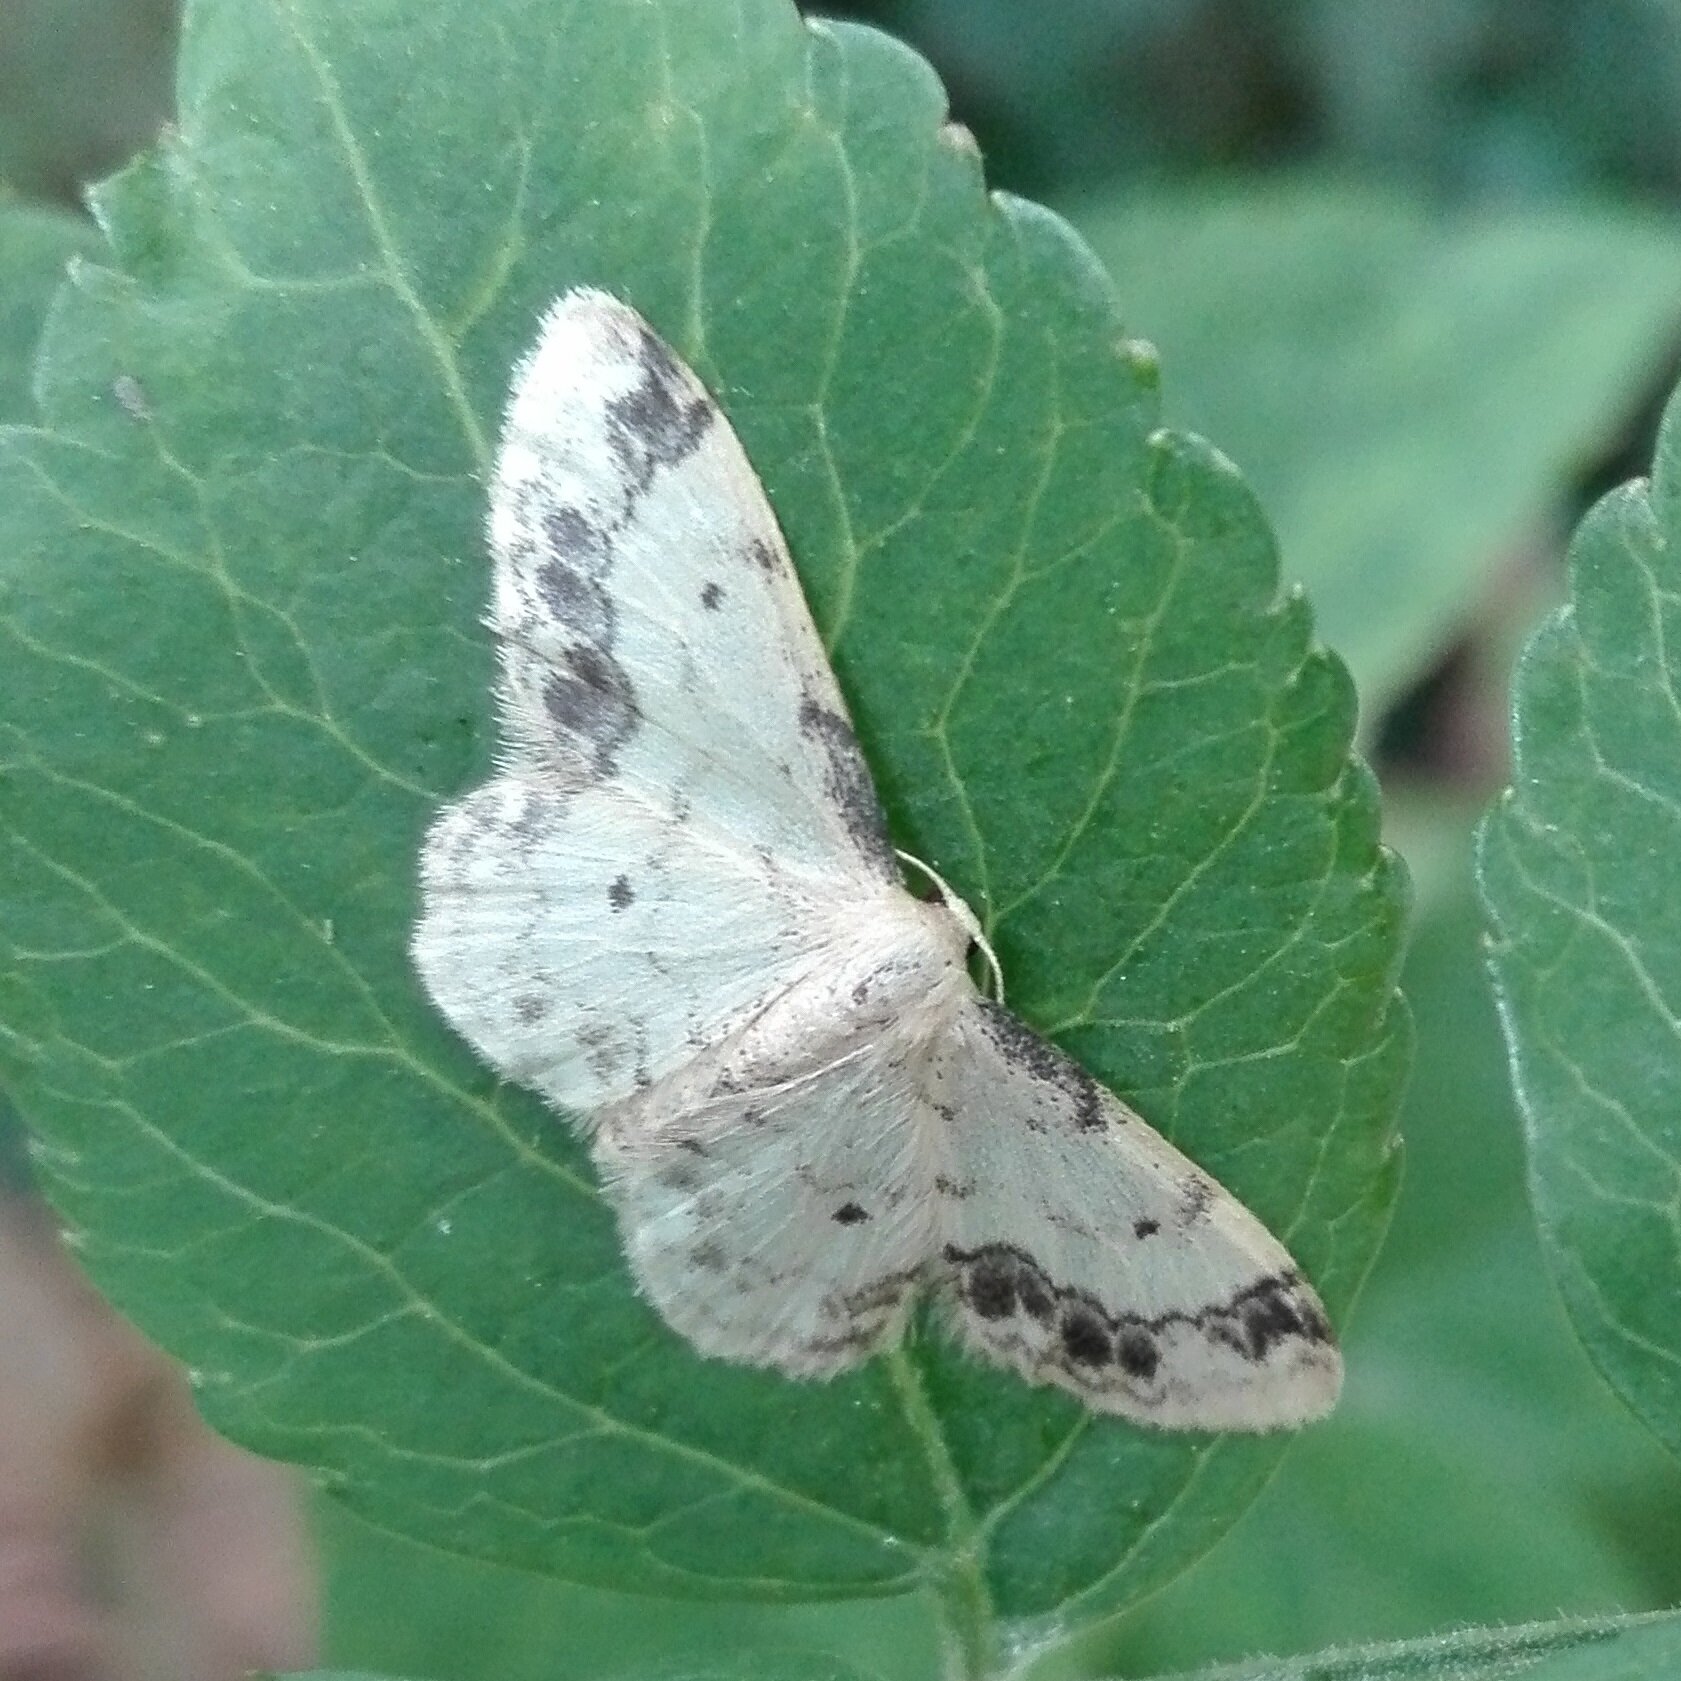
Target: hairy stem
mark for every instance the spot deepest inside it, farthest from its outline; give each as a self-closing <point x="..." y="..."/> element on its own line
<point x="969" y="1622"/>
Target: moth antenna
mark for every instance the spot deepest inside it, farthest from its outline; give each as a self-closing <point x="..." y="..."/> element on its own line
<point x="970" y="922"/>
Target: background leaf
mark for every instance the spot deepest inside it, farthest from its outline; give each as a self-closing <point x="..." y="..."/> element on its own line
<point x="83" y="83"/>
<point x="245" y="666"/>
<point x="1407" y="390"/>
<point x="1578" y="872"/>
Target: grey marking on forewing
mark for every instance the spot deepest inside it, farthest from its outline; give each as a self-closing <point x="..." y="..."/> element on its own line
<point x="577" y="601"/>
<point x="569" y="532"/>
<point x="590" y="695"/>
<point x="1025" y="1049"/>
<point x="881" y="1294"/>
<point x="660" y="421"/>
<point x="848" y="781"/>
<point x="566" y="551"/>
<point x="1197" y="1194"/>
<point x="998" y="1281"/>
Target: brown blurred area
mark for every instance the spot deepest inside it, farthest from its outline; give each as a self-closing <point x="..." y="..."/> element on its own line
<point x="135" y="1545"/>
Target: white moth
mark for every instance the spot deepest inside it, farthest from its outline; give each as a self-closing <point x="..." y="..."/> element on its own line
<point x="675" y="913"/>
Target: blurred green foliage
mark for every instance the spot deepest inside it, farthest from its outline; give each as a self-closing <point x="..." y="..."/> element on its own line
<point x="1463" y="99"/>
<point x="1478" y="1470"/>
<point x="1361" y="357"/>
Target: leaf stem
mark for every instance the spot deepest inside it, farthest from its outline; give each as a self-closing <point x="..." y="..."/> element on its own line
<point x="962" y="1599"/>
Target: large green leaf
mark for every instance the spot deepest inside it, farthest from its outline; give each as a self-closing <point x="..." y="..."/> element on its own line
<point x="245" y="666"/>
<point x="1409" y="391"/>
<point x="1578" y="869"/>
<point x="395" y="1605"/>
<point x="36" y="244"/>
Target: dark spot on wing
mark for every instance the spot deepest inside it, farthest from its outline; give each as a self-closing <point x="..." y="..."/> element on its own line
<point x="1145" y="1228"/>
<point x="710" y="596"/>
<point x="990" y="1286"/>
<point x="591" y="697"/>
<point x="766" y="556"/>
<point x="848" y="781"/>
<point x="1037" y="1300"/>
<point x="1270" y="1313"/>
<point x="1084" y="1338"/>
<point x="708" y="1255"/>
<point x="661" y="420"/>
<point x="531" y="1009"/>
<point x="1136" y="1352"/>
<point x="1024" y="1048"/>
<point x="849" y="1214"/>
<point x="621" y="895"/>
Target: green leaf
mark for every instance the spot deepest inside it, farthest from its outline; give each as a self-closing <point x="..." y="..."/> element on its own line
<point x="36" y="244"/>
<point x="246" y="665"/>
<point x="1630" y="1649"/>
<point x="1409" y="392"/>
<point x="1578" y="873"/>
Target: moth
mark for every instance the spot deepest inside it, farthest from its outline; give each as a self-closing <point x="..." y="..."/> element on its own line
<point x="675" y="912"/>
